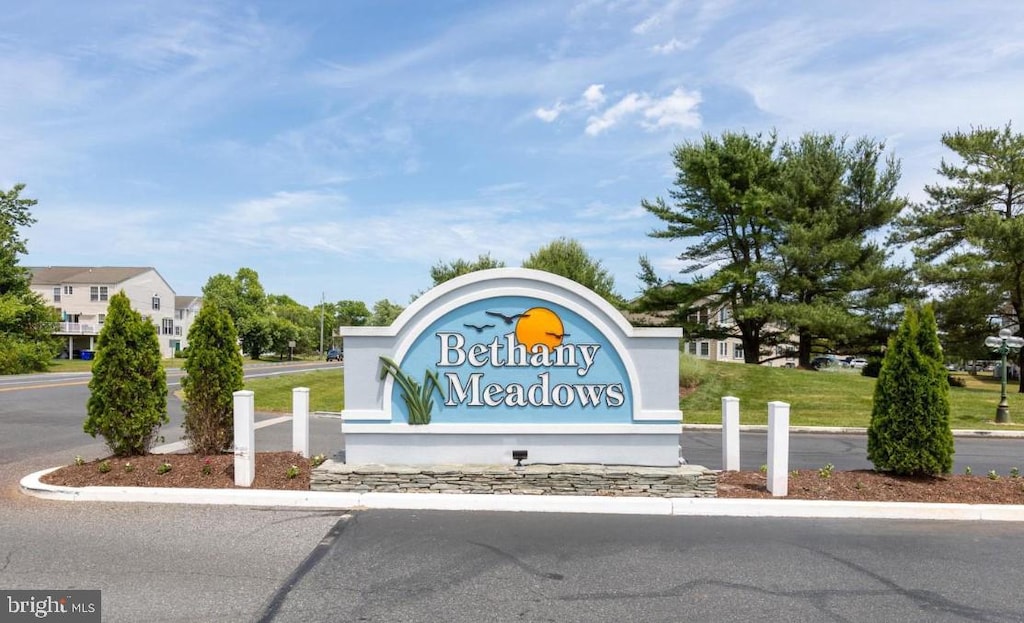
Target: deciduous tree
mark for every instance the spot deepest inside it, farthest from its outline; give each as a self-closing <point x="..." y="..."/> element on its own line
<point x="568" y="258"/>
<point x="26" y="323"/>
<point x="243" y="297"/>
<point x="384" y="313"/>
<point x="446" y="271"/>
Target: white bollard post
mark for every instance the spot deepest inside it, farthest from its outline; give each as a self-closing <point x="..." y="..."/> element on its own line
<point x="245" y="438"/>
<point x="300" y="421"/>
<point x="730" y="434"/>
<point x="778" y="449"/>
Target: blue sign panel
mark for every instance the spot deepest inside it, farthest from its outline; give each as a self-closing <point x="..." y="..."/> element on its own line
<point x="517" y="359"/>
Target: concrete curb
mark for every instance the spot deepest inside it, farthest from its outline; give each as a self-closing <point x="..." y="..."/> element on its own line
<point x="693" y="507"/>
<point x="852" y="430"/>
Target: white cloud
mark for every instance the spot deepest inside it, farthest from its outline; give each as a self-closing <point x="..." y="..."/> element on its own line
<point x="662" y="16"/>
<point x="673" y="45"/>
<point x="678" y="109"/>
<point x="275" y="208"/>
<point x="594" y="96"/>
<point x="548" y="115"/>
<point x="631" y="103"/>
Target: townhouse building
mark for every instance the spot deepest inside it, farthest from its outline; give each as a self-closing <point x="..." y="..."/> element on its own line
<point x="81" y="295"/>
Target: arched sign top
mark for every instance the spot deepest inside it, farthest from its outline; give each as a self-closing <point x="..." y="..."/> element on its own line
<point x="497" y="281"/>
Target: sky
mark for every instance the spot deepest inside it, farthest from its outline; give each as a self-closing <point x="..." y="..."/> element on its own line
<point x="342" y="148"/>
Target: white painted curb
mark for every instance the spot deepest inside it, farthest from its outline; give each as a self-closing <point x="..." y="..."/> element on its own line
<point x="693" y="507"/>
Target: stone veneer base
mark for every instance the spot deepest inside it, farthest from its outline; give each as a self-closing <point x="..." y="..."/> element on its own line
<point x="685" y="481"/>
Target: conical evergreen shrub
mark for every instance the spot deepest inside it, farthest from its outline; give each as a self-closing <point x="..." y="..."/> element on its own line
<point x="909" y="432"/>
<point x="213" y="370"/>
<point x="128" y="391"/>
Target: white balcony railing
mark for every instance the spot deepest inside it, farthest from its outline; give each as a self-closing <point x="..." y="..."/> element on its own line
<point x="76" y="328"/>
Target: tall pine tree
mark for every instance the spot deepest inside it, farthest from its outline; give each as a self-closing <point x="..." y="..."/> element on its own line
<point x="833" y="195"/>
<point x="969" y="236"/>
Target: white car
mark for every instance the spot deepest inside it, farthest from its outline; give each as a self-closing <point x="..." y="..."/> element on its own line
<point x="858" y="362"/>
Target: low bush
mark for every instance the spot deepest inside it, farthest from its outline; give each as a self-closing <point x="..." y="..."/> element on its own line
<point x="873" y="367"/>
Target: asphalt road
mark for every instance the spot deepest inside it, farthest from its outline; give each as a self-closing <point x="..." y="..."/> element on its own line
<point x="42" y="413"/>
<point x="471" y="567"/>
<point x="846" y="451"/>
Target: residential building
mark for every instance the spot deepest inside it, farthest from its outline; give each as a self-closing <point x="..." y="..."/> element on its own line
<point x="81" y="296"/>
<point x="728" y="349"/>
<point x="186" y="308"/>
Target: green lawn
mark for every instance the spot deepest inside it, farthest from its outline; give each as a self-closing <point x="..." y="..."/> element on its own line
<point x="77" y="365"/>
<point x="825" y="398"/>
<point x="274" y="393"/>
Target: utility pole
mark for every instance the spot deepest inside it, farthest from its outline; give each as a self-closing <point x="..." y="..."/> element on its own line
<point x="321" y="324"/>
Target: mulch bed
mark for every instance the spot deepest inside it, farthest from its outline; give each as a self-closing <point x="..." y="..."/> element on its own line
<point x="867" y="485"/>
<point x="272" y="469"/>
<point x="187" y="470"/>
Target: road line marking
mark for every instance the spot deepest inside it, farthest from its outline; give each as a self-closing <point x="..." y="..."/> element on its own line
<point x="175" y="446"/>
<point x="14" y="389"/>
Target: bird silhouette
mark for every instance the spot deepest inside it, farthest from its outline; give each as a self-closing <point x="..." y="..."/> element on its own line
<point x="557" y="335"/>
<point x="479" y="329"/>
<point x="507" y="319"/>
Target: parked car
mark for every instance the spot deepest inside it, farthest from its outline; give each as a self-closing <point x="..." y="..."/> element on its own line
<point x="858" y="362"/>
<point x="824" y="361"/>
<point x="333" y="354"/>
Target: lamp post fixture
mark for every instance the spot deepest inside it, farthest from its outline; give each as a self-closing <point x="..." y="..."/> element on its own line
<point x="1003" y="344"/>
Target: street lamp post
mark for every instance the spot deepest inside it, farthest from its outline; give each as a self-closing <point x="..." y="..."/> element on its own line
<point x="1003" y="344"/>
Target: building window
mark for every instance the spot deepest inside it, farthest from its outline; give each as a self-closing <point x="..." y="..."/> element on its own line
<point x="167" y="326"/>
<point x="97" y="293"/>
<point x="705" y="349"/>
<point x="69" y="290"/>
<point x="56" y="294"/>
<point x="693" y="348"/>
<point x="723" y="349"/>
<point x="102" y="319"/>
<point x="179" y="314"/>
<point x="156" y="302"/>
<point x="700" y="316"/>
<point x="723" y="315"/>
<point x="737" y="351"/>
<point x="177" y="330"/>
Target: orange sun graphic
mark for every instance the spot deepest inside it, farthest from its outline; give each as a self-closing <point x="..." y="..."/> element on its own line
<point x="539" y="325"/>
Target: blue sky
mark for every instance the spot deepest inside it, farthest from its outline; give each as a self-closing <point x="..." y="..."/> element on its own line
<point x="345" y="147"/>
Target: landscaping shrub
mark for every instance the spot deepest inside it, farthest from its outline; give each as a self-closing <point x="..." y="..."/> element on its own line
<point x="909" y="431"/>
<point x="872" y="368"/>
<point x="128" y="391"/>
<point x="213" y="371"/>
